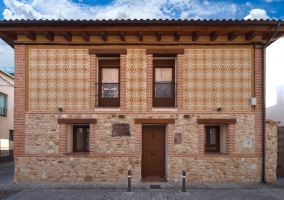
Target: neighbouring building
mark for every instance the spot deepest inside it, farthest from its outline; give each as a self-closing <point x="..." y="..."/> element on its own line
<point x="276" y="112"/>
<point x="94" y="99"/>
<point x="6" y="116"/>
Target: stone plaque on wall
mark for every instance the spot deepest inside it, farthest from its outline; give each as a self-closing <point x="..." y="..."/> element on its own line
<point x="120" y="130"/>
<point x="177" y="138"/>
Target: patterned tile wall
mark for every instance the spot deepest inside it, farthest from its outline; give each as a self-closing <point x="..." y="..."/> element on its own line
<point x="136" y="79"/>
<point x="58" y="78"/>
<point x="216" y="78"/>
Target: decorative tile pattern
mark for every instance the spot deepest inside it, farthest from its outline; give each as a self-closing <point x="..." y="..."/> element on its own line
<point x="136" y="80"/>
<point x="58" y="78"/>
<point x="216" y="78"/>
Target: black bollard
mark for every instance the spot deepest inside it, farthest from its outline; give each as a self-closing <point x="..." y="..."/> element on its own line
<point x="183" y="181"/>
<point x="129" y="181"/>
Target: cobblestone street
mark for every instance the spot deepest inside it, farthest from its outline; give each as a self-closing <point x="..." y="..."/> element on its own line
<point x="26" y="190"/>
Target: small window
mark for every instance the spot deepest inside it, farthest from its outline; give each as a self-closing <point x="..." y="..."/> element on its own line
<point x="212" y="139"/>
<point x="3" y="105"/>
<point x="108" y="85"/>
<point x="81" y="138"/>
<point x="11" y="135"/>
<point x="164" y="83"/>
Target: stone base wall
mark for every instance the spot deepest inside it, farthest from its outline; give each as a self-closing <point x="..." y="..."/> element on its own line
<point x="114" y="169"/>
<point x="271" y="146"/>
<point x="110" y="157"/>
<point x="215" y="169"/>
<point x="77" y="169"/>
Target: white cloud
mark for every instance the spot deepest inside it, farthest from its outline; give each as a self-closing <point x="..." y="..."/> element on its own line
<point x="7" y="57"/>
<point x="118" y="9"/>
<point x="248" y="4"/>
<point x="257" y="14"/>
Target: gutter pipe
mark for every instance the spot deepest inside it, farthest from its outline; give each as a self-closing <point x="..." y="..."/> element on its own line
<point x="263" y="102"/>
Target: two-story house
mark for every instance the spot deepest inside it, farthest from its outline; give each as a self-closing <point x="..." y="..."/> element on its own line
<point x="6" y="116"/>
<point x="94" y="99"/>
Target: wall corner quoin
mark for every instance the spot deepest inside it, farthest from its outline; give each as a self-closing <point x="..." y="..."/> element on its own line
<point x="19" y="99"/>
<point x="271" y="150"/>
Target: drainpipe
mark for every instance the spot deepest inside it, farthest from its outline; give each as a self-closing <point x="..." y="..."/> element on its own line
<point x="263" y="102"/>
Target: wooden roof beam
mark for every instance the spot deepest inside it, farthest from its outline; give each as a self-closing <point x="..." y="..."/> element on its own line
<point x="140" y="36"/>
<point x="159" y="35"/>
<point x="195" y="35"/>
<point x="214" y="35"/>
<point x="67" y="36"/>
<point x="233" y="35"/>
<point x="49" y="35"/>
<point x="85" y="36"/>
<point x="251" y="35"/>
<point x="122" y="36"/>
<point x="103" y="35"/>
<point x="177" y="35"/>
<point x="31" y="35"/>
<point x="9" y="35"/>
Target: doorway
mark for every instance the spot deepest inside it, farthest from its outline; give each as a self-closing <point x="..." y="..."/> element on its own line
<point x="153" y="153"/>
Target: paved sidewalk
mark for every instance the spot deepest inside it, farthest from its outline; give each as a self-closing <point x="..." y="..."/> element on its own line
<point x="60" y="190"/>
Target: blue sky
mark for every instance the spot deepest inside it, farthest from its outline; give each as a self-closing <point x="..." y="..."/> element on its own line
<point x="107" y="9"/>
<point x="152" y="9"/>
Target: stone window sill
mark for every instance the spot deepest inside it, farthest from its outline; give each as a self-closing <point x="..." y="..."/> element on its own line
<point x="165" y="109"/>
<point x="107" y="109"/>
<point x="215" y="154"/>
<point x="77" y="154"/>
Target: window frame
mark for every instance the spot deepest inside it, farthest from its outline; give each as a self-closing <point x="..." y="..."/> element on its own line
<point x="84" y="138"/>
<point x="166" y="102"/>
<point x="207" y="139"/>
<point x="107" y="63"/>
<point x="5" y="105"/>
<point x="11" y="135"/>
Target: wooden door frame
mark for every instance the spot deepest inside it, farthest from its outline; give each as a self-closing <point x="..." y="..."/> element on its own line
<point x="164" y="146"/>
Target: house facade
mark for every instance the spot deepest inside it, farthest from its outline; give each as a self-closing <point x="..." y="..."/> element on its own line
<point x="95" y="99"/>
<point x="6" y="116"/>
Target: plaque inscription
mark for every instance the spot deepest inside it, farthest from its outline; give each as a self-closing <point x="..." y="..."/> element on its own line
<point x="120" y="130"/>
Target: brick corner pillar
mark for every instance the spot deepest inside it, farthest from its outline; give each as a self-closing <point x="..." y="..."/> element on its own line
<point x="19" y="100"/>
<point x="179" y="82"/>
<point x="230" y="138"/>
<point x="149" y="100"/>
<point x="201" y="138"/>
<point x="258" y="94"/>
<point x="93" y="75"/>
<point x="123" y="82"/>
<point x="63" y="138"/>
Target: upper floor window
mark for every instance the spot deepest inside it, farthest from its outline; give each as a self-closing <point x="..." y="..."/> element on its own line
<point x="3" y="104"/>
<point x="108" y="83"/>
<point x="164" y="86"/>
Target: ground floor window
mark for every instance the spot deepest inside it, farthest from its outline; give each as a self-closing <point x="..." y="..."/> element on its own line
<point x="212" y="139"/>
<point x="81" y="137"/>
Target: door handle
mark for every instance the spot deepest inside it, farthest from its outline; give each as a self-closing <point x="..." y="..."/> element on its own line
<point x="153" y="154"/>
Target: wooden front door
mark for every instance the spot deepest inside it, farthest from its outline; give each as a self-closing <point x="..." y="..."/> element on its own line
<point x="153" y="151"/>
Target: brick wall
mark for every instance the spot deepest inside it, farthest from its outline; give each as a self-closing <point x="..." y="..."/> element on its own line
<point x="258" y="95"/>
<point x="19" y="100"/>
<point x="106" y="149"/>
